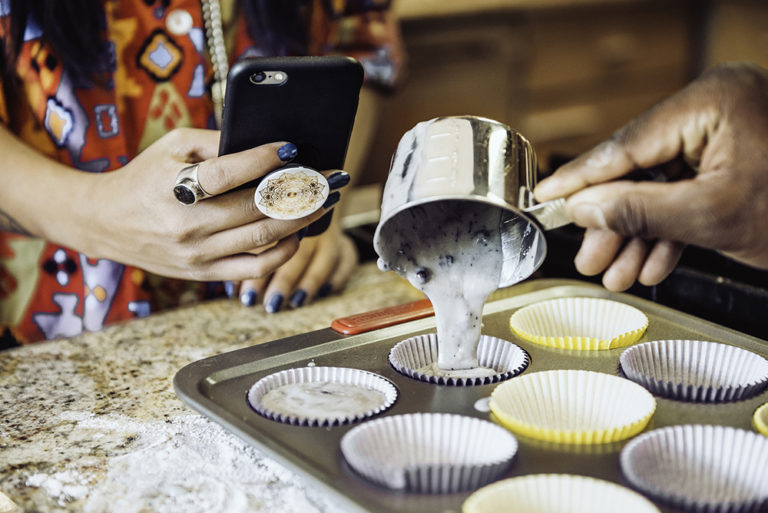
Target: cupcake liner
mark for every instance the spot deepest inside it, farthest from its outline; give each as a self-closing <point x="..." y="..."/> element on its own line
<point x="429" y="452"/>
<point x="697" y="371"/>
<point x="412" y="355"/>
<point x="337" y="395"/>
<point x="573" y="406"/>
<point x="698" y="468"/>
<point x="579" y="323"/>
<point x="760" y="419"/>
<point x="557" y="493"/>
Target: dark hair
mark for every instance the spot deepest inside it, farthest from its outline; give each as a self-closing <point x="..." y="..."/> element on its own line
<point x="74" y="29"/>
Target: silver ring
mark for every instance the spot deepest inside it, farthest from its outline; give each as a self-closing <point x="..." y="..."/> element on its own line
<point x="187" y="189"/>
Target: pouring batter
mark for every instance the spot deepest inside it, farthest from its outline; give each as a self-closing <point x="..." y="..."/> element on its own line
<point x="451" y="251"/>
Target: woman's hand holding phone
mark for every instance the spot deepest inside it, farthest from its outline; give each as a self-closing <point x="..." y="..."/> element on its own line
<point x="222" y="237"/>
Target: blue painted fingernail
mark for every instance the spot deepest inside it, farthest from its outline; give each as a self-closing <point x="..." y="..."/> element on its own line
<point x="333" y="198"/>
<point x="338" y="180"/>
<point x="287" y="151"/>
<point x="274" y="303"/>
<point x="301" y="233"/>
<point x="229" y="289"/>
<point x="325" y="290"/>
<point x="298" y="298"/>
<point x="248" y="298"/>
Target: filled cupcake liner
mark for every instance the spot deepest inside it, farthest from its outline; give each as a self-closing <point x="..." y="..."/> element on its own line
<point x="353" y="378"/>
<point x="696" y="371"/>
<point x="557" y="493"/>
<point x="700" y="468"/>
<point x="429" y="452"/>
<point x="760" y="419"/>
<point x="573" y="406"/>
<point x="579" y="323"/>
<point x="412" y="354"/>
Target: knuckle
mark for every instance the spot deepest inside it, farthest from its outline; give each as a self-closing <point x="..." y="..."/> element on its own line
<point x="217" y="177"/>
<point x="263" y="235"/>
<point x="628" y="215"/>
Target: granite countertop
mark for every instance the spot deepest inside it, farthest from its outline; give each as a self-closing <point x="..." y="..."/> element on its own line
<point x="93" y="424"/>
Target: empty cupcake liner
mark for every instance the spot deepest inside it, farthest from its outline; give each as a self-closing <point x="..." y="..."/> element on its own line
<point x="579" y="323"/>
<point x="429" y="452"/>
<point x="412" y="355"/>
<point x="573" y="406"/>
<point x="694" y="370"/>
<point x="700" y="468"/>
<point x="557" y="493"/>
<point x="321" y="396"/>
<point x="760" y="419"/>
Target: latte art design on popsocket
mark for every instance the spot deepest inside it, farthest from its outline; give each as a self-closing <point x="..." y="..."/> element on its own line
<point x="291" y="193"/>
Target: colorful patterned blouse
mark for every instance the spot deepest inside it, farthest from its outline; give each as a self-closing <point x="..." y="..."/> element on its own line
<point x="160" y="81"/>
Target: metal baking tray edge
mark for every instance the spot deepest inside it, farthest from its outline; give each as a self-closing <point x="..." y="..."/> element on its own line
<point x="217" y="387"/>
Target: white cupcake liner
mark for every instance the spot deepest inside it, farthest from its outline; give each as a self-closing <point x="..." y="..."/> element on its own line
<point x="700" y="468"/>
<point x="412" y="354"/>
<point x="697" y="371"/>
<point x="429" y="452"/>
<point x="556" y="493"/>
<point x="760" y="419"/>
<point x="579" y="323"/>
<point x="573" y="406"/>
<point x="352" y="378"/>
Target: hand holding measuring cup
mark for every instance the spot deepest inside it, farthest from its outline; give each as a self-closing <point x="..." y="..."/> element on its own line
<point x="718" y="126"/>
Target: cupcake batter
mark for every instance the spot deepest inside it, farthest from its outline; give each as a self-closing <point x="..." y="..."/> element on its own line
<point x="434" y="369"/>
<point x="322" y="400"/>
<point x="451" y="250"/>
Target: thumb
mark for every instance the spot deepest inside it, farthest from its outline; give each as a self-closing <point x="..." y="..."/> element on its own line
<point x="685" y="211"/>
<point x="680" y="125"/>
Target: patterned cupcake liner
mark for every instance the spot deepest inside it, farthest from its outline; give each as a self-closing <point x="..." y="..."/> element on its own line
<point x="579" y="323"/>
<point x="573" y="406"/>
<point x="412" y="354"/>
<point x="429" y="452"/>
<point x="696" y="371"/>
<point x="557" y="493"/>
<point x="334" y="387"/>
<point x="700" y="468"/>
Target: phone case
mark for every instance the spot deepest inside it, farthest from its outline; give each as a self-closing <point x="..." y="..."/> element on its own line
<point x="314" y="108"/>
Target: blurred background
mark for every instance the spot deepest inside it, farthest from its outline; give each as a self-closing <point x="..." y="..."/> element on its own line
<point x="566" y="74"/>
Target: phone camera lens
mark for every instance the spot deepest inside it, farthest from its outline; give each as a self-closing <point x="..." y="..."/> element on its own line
<point x="258" y="77"/>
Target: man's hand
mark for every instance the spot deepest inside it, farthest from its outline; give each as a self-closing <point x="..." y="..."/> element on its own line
<point x="637" y="230"/>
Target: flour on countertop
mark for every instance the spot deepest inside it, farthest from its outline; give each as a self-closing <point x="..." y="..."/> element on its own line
<point x="187" y="464"/>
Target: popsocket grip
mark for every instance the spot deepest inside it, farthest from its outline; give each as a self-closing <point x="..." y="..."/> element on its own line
<point x="291" y="192"/>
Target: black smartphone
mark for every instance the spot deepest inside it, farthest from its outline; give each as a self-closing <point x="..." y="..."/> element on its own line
<point x="309" y="101"/>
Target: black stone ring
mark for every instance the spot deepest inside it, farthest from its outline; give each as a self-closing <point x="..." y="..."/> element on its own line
<point x="187" y="189"/>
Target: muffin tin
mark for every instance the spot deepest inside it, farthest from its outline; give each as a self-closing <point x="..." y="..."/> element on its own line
<point x="217" y="387"/>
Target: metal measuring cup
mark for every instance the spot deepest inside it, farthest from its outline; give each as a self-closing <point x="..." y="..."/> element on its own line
<point x="470" y="158"/>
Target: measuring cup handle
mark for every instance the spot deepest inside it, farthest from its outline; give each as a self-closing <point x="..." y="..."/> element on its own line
<point x="550" y="214"/>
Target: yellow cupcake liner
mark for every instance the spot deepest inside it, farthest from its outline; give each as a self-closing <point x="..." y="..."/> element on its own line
<point x="556" y="493"/>
<point x="579" y="323"/>
<point x="573" y="407"/>
<point x="760" y="419"/>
